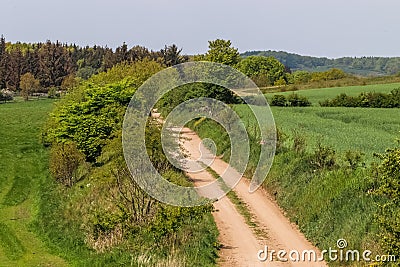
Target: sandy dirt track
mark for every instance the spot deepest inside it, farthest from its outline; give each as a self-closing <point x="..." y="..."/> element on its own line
<point x="240" y="245"/>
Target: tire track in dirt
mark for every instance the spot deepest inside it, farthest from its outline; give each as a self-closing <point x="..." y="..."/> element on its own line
<point x="240" y="245"/>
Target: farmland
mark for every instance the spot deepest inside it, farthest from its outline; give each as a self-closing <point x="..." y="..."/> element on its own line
<point x="320" y="94"/>
<point x="367" y="130"/>
<point x="321" y="174"/>
<point x="364" y="129"/>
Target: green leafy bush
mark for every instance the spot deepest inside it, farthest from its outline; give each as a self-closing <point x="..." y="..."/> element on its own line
<point x="278" y="100"/>
<point x="109" y="212"/>
<point x="292" y="100"/>
<point x="365" y="100"/>
<point x="65" y="160"/>
<point x="389" y="188"/>
<point x="324" y="157"/>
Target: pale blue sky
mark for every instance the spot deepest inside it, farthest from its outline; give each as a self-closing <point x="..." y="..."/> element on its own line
<point x="310" y="27"/>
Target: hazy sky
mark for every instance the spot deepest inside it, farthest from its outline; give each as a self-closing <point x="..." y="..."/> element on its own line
<point x="309" y="27"/>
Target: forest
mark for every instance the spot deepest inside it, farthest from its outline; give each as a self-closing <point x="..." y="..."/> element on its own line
<point x="56" y="64"/>
<point x="360" y="66"/>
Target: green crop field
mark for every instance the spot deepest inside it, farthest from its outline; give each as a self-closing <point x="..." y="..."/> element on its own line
<point x="364" y="129"/>
<point x="23" y="165"/>
<point x="321" y="94"/>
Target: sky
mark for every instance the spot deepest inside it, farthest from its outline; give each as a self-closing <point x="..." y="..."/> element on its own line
<point x="308" y="27"/>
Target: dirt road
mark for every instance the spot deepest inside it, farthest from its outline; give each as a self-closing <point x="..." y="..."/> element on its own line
<point x="241" y="245"/>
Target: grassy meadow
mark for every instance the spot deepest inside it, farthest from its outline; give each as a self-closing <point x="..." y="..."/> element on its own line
<point x="23" y="165"/>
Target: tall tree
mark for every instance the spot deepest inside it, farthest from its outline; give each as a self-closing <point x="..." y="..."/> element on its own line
<point x="259" y="68"/>
<point x="14" y="69"/>
<point x="3" y="62"/>
<point x="139" y="53"/>
<point x="172" y="55"/>
<point x="28" y="85"/>
<point x="221" y="51"/>
<point x="54" y="64"/>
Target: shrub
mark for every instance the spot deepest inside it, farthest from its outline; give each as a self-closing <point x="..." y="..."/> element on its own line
<point x="278" y="100"/>
<point x="389" y="187"/>
<point x="295" y="100"/>
<point x="324" y="157"/>
<point x="292" y="100"/>
<point x="353" y="158"/>
<point x="65" y="160"/>
<point x="299" y="142"/>
<point x="365" y="100"/>
<point x="6" y="95"/>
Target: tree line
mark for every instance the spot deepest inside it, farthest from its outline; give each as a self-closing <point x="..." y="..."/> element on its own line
<point x="355" y="65"/>
<point x="54" y="63"/>
<point x="52" y="66"/>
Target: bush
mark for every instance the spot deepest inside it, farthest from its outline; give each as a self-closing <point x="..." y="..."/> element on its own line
<point x="354" y="159"/>
<point x="92" y="113"/>
<point x="293" y="100"/>
<point x="65" y="160"/>
<point x="324" y="157"/>
<point x="6" y="95"/>
<point x="365" y="100"/>
<point x="53" y="92"/>
<point x="389" y="187"/>
<point x="278" y="100"/>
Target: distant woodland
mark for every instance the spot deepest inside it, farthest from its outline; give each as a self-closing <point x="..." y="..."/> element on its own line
<point x="52" y="66"/>
<point x="364" y="66"/>
<point x="55" y="64"/>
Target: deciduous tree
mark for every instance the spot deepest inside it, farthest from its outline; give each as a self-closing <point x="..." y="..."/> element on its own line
<point x="221" y="51"/>
<point x="28" y="84"/>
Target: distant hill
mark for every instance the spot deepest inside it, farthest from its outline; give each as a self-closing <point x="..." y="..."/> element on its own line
<point x="365" y="66"/>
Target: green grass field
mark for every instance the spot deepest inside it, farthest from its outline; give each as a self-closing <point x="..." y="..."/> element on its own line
<point x="364" y="129"/>
<point x="321" y="94"/>
<point x="23" y="165"/>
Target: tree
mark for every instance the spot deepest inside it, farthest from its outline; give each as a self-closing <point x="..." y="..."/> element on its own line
<point x="301" y="76"/>
<point x="172" y="55"/>
<point x="54" y="64"/>
<point x="3" y="62"/>
<point x="14" y="68"/>
<point x="257" y="67"/>
<point x="69" y="82"/>
<point x="28" y="84"/>
<point x="221" y="51"/>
